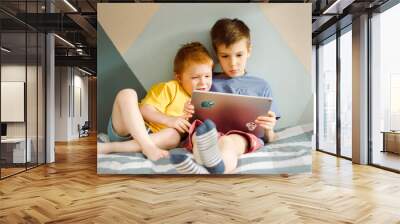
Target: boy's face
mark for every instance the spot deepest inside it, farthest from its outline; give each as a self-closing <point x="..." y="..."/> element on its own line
<point x="196" y="77"/>
<point x="233" y="58"/>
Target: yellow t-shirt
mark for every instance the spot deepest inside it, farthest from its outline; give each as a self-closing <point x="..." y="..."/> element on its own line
<point x="168" y="98"/>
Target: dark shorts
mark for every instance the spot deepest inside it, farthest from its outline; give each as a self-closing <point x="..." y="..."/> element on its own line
<point x="114" y="137"/>
<point x="254" y="143"/>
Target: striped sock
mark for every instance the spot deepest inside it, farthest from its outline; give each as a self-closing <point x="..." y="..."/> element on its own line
<point x="207" y="144"/>
<point x="185" y="165"/>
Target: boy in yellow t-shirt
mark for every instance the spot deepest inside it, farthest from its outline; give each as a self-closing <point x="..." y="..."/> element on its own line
<point x="158" y="122"/>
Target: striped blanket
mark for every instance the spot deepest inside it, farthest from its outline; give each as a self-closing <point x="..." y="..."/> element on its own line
<point x="290" y="153"/>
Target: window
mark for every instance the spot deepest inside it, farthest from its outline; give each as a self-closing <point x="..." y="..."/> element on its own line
<point x="327" y="96"/>
<point x="346" y="93"/>
<point x="385" y="86"/>
<point x="394" y="102"/>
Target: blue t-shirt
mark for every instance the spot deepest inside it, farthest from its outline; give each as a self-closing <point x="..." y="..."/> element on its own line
<point x="244" y="85"/>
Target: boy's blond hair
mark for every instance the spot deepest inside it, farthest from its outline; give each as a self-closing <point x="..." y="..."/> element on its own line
<point x="229" y="31"/>
<point x="191" y="53"/>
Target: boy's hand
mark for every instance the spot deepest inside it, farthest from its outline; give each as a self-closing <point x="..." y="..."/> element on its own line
<point x="267" y="122"/>
<point x="188" y="110"/>
<point x="179" y="123"/>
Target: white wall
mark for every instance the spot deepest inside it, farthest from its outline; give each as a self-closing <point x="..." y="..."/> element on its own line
<point x="61" y="103"/>
<point x="12" y="73"/>
<point x="79" y="117"/>
<point x="280" y="36"/>
<point x="35" y="123"/>
<point x="68" y="83"/>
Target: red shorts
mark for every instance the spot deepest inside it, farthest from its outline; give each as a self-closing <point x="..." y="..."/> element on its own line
<point x="254" y="143"/>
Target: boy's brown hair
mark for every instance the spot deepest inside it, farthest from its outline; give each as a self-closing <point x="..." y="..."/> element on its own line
<point x="229" y="31"/>
<point x="190" y="53"/>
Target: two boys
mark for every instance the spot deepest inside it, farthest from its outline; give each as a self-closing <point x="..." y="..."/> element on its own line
<point x="219" y="154"/>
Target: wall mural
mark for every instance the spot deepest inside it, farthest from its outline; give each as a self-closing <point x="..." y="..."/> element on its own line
<point x="151" y="58"/>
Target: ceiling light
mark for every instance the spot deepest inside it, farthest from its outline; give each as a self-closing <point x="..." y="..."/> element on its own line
<point x="337" y="7"/>
<point x="5" y="49"/>
<point x="84" y="71"/>
<point x="64" y="40"/>
<point x="70" y="5"/>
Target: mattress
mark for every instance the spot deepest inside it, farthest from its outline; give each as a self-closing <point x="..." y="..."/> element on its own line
<point x="290" y="153"/>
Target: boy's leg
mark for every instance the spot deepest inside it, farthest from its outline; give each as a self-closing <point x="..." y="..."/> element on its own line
<point x="208" y="148"/>
<point x="127" y="119"/>
<point x="231" y="147"/>
<point x="166" y="139"/>
<point x="218" y="155"/>
<point x="195" y="150"/>
<point x="185" y="165"/>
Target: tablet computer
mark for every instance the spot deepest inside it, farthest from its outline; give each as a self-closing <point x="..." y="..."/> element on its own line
<point x="231" y="111"/>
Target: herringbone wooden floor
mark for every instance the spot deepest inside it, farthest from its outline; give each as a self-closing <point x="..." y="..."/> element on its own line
<point x="70" y="191"/>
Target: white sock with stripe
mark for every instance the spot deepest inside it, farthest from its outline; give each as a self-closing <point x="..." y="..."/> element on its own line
<point x="185" y="165"/>
<point x="207" y="144"/>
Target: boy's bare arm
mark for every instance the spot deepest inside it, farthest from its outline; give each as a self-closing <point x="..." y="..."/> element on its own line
<point x="268" y="122"/>
<point x="151" y="114"/>
<point x="188" y="110"/>
<point x="269" y="136"/>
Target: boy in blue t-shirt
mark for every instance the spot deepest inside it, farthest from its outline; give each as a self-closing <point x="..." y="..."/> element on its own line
<point x="220" y="152"/>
